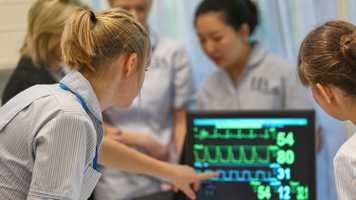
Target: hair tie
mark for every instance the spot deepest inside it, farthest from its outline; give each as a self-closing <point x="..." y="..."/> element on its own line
<point x="93" y="17"/>
<point x="348" y="47"/>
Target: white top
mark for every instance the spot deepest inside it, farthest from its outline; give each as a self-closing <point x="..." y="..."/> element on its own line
<point x="267" y="83"/>
<point x="48" y="141"/>
<point x="345" y="170"/>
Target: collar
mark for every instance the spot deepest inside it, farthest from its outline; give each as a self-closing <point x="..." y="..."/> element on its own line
<point x="258" y="54"/>
<point x="77" y="83"/>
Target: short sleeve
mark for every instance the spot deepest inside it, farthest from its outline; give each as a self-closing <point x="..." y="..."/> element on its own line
<point x="63" y="149"/>
<point x="345" y="174"/>
<point x="183" y="78"/>
<point x="202" y="99"/>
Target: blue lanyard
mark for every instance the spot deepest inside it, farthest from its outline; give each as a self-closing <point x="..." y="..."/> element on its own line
<point x="85" y="107"/>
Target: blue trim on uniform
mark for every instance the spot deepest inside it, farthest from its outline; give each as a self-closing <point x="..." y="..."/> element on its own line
<point x="85" y="107"/>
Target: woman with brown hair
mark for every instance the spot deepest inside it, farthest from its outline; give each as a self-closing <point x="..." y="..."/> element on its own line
<point x="327" y="63"/>
<point x="50" y="135"/>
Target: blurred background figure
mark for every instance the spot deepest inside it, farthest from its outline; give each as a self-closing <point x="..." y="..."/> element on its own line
<point x="155" y="123"/>
<point x="249" y="77"/>
<point x="40" y="61"/>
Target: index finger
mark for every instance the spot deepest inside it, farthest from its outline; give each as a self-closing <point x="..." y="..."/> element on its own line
<point x="206" y="176"/>
<point x="189" y="192"/>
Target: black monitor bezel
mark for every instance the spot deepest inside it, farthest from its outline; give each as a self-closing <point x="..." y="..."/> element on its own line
<point x="186" y="157"/>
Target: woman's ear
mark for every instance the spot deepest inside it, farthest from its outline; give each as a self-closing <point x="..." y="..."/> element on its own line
<point x="244" y="31"/>
<point x="325" y="92"/>
<point x="130" y="64"/>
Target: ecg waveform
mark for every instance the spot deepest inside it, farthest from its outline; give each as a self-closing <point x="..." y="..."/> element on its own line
<point x="261" y="154"/>
<point x="235" y="154"/>
<point x="203" y="134"/>
<point x="244" y="175"/>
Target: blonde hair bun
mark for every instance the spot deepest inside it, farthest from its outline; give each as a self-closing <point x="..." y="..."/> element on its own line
<point x="91" y="40"/>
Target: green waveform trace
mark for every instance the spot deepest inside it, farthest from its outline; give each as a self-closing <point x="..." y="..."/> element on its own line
<point x="235" y="154"/>
<point x="203" y="134"/>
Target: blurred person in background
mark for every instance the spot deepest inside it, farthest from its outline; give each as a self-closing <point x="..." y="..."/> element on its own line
<point x="40" y="61"/>
<point x="248" y="76"/>
<point x="155" y="123"/>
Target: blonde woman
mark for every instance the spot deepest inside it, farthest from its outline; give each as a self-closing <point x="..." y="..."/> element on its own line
<point x="155" y="122"/>
<point x="50" y="135"/>
<point x="40" y="61"/>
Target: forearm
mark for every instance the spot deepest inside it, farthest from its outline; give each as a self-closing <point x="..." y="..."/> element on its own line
<point x="158" y="151"/>
<point x="145" y="142"/>
<point x="179" y="140"/>
<point x="179" y="129"/>
<point x="122" y="157"/>
<point x="129" y="138"/>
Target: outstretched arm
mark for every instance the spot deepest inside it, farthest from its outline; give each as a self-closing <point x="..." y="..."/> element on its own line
<point x="122" y="157"/>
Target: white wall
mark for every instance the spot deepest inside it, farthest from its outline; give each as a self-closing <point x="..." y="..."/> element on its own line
<point x="12" y="29"/>
<point x="13" y="15"/>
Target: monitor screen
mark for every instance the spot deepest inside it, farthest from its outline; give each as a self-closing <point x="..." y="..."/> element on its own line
<point x="258" y="155"/>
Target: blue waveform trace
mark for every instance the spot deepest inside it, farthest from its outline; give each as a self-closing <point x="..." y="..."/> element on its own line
<point x="243" y="175"/>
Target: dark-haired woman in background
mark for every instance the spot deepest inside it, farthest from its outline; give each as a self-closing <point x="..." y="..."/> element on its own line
<point x="249" y="77"/>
